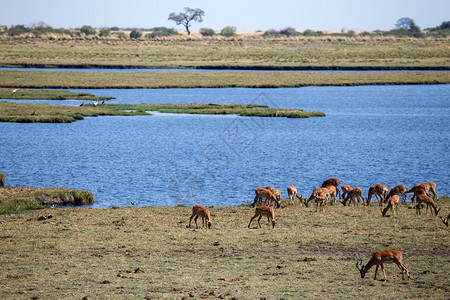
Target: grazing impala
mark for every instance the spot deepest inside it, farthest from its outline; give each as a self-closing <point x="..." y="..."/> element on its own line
<point x="332" y="190"/>
<point x="261" y="193"/>
<point x="352" y="195"/>
<point x="315" y="193"/>
<point x="392" y="203"/>
<point x="380" y="257"/>
<point x="428" y="187"/>
<point x="264" y="211"/>
<point x="277" y="194"/>
<point x="417" y="190"/>
<point x="203" y="212"/>
<point x="424" y="199"/>
<point x="345" y="190"/>
<point x="334" y="182"/>
<point x="399" y="189"/>
<point x="445" y="220"/>
<point x="292" y="193"/>
<point x="380" y="191"/>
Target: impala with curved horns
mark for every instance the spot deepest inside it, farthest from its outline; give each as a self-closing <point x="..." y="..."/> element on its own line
<point x="380" y="257"/>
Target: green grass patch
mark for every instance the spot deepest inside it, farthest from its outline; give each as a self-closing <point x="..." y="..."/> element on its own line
<point x="45" y="113"/>
<point x="147" y="252"/>
<point x="15" y="199"/>
<point x="39" y="94"/>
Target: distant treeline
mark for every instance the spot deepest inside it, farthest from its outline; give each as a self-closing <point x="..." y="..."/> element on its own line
<point x="41" y="30"/>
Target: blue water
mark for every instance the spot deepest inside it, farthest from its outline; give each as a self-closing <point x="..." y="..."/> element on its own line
<point x="371" y="135"/>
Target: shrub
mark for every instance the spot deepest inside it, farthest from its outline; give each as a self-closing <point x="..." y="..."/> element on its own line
<point x="87" y="30"/>
<point x="207" y="32"/>
<point x="135" y="34"/>
<point x="17" y="30"/>
<point x="2" y="180"/>
<point x="105" y="32"/>
<point x="121" y="35"/>
<point x="161" y="31"/>
<point x="228" y="31"/>
<point x="289" y="31"/>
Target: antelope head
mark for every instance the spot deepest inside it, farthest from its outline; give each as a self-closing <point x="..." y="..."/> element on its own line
<point x="360" y="267"/>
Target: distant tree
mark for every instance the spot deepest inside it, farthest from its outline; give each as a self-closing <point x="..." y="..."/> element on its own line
<point x="121" y="35"/>
<point x="207" y="32"/>
<point x="185" y="18"/>
<point x="404" y="23"/>
<point x="288" y="31"/>
<point x="114" y="28"/>
<point x="105" y="32"/>
<point x="135" y="34"/>
<point x="17" y="30"/>
<point x="228" y="31"/>
<point x="87" y="30"/>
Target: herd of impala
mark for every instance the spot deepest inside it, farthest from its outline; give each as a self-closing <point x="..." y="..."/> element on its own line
<point x="329" y="191"/>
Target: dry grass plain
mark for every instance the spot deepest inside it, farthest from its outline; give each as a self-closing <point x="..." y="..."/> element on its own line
<point x="148" y="253"/>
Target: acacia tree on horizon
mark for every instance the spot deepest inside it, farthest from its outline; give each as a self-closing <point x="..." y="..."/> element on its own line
<point x="185" y="18"/>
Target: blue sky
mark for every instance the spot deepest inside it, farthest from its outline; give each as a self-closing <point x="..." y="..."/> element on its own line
<point x="243" y="14"/>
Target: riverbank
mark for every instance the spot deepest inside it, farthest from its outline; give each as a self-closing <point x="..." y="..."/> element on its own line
<point x="18" y="199"/>
<point x="161" y="80"/>
<point x="148" y="252"/>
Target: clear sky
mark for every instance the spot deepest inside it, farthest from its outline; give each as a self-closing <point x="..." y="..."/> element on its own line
<point x="245" y="15"/>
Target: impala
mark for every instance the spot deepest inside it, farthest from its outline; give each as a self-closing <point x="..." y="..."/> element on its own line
<point x="332" y="191"/>
<point x="334" y="182"/>
<point x="445" y="220"/>
<point x="417" y="190"/>
<point x="352" y="195"/>
<point x="428" y="187"/>
<point x="424" y="199"/>
<point x="345" y="189"/>
<point x="277" y="194"/>
<point x="399" y="189"/>
<point x="203" y="212"/>
<point x="292" y="193"/>
<point x="380" y="257"/>
<point x="315" y="193"/>
<point x="392" y="203"/>
<point x="264" y="211"/>
<point x="261" y="193"/>
<point x="380" y="191"/>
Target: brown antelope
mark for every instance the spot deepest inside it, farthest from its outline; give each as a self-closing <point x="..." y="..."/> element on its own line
<point x="345" y="189"/>
<point x="399" y="189"/>
<point x="203" y="212"/>
<point x="380" y="257"/>
<point x="445" y="220"/>
<point x="270" y="188"/>
<point x="352" y="195"/>
<point x="292" y="193"/>
<point x="380" y="191"/>
<point x="261" y="193"/>
<point x="428" y="187"/>
<point x="320" y="196"/>
<point x="262" y="211"/>
<point x="392" y="203"/>
<point x="332" y="190"/>
<point x="334" y="182"/>
<point x="417" y="190"/>
<point x="277" y="194"/>
<point x="314" y="193"/>
<point x="424" y="199"/>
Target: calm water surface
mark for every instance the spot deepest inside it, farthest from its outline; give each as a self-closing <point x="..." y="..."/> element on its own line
<point x="372" y="135"/>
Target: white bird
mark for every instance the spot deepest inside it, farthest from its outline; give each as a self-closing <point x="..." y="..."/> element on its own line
<point x="14" y="91"/>
<point x="95" y="103"/>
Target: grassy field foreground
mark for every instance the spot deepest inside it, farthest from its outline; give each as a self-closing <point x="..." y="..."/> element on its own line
<point x="145" y="253"/>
